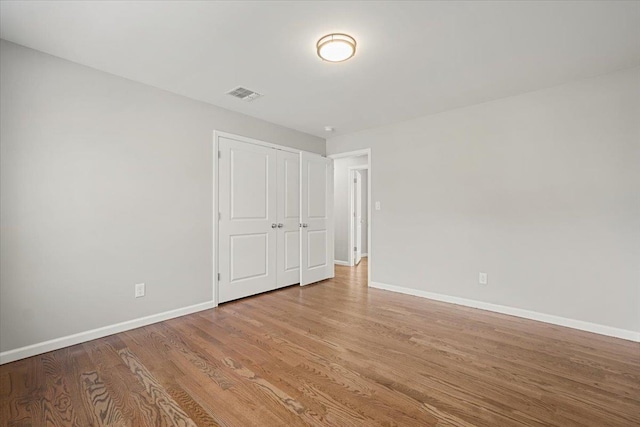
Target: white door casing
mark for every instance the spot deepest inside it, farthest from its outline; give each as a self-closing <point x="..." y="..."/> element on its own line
<point x="247" y="223"/>
<point x="316" y="216"/>
<point x="288" y="214"/>
<point x="357" y="216"/>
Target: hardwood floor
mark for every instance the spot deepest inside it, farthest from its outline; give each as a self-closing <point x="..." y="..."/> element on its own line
<point x="335" y="353"/>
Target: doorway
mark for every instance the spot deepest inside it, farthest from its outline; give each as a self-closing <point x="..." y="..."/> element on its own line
<point x="352" y="209"/>
<point x="358" y="177"/>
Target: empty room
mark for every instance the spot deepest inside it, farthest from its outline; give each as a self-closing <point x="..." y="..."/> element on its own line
<point x="322" y="213"/>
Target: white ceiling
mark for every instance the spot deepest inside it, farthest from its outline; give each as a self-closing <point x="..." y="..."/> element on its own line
<point x="413" y="58"/>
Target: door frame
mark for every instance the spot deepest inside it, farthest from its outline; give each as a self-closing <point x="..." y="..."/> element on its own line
<point x="352" y="208"/>
<point x="356" y="153"/>
<point x="214" y="179"/>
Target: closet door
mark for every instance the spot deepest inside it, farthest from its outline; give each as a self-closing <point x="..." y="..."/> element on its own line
<point x="288" y="202"/>
<point x="247" y="222"/>
<point x="316" y="213"/>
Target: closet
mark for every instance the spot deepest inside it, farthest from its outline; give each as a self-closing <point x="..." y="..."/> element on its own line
<point x="275" y="217"/>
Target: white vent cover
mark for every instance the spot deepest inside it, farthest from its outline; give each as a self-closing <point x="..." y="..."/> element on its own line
<point x="244" y="94"/>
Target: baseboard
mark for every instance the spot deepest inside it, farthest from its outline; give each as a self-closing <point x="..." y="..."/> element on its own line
<point x="338" y="262"/>
<point x="364" y="255"/>
<point x="57" y="343"/>
<point x="518" y="312"/>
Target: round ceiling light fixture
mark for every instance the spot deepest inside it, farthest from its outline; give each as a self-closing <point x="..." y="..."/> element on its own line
<point x="336" y="47"/>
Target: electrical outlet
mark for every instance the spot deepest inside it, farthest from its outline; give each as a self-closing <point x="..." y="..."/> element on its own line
<point x="377" y="205"/>
<point x="483" y="278"/>
<point x="139" y="290"/>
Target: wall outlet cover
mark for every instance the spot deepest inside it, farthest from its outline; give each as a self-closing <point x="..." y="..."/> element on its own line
<point x="483" y="279"/>
<point x="139" y="290"/>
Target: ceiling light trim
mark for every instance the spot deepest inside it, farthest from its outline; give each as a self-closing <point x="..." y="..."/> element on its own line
<point x="335" y="39"/>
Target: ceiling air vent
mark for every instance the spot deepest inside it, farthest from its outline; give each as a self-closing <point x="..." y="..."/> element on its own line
<point x="244" y="94"/>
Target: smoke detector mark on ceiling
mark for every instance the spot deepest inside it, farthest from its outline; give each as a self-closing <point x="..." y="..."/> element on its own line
<point x="244" y="94"/>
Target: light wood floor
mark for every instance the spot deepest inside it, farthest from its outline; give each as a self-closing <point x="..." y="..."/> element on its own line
<point x="335" y="353"/>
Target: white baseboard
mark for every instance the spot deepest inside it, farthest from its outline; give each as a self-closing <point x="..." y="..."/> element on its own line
<point x="518" y="312"/>
<point x="57" y="343"/>
<point x="365" y="255"/>
<point x="338" y="262"/>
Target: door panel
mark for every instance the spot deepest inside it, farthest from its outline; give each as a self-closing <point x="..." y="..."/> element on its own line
<point x="292" y="253"/>
<point x="248" y="256"/>
<point x="289" y="170"/>
<point x="288" y="218"/>
<point x="316" y="244"/>
<point x="316" y="260"/>
<point x="249" y="184"/>
<point x="247" y="241"/>
<point x="316" y="184"/>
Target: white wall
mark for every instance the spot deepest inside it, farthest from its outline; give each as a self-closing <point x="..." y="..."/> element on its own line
<point x="540" y="190"/>
<point x="342" y="205"/>
<point x="104" y="183"/>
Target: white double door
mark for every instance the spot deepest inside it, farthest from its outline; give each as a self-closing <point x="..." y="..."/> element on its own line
<point x="269" y="223"/>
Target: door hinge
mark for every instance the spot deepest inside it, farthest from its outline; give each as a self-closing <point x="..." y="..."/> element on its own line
<point x="219" y="154"/>
<point x="355" y="248"/>
<point x="219" y="216"/>
<point x="355" y="180"/>
<point x="218" y="277"/>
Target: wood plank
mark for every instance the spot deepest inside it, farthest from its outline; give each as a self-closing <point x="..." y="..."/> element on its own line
<point x="335" y="353"/>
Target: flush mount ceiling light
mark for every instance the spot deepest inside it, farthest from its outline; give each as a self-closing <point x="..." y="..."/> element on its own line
<point x="336" y="47"/>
